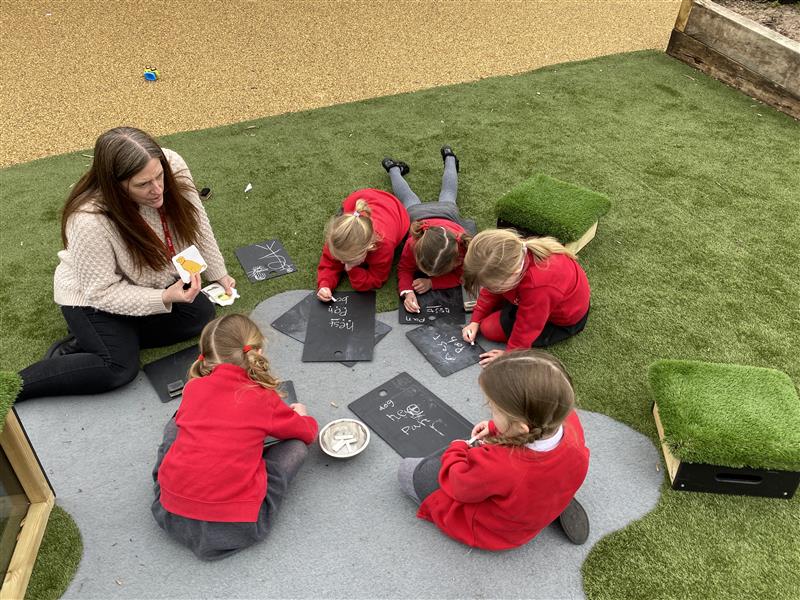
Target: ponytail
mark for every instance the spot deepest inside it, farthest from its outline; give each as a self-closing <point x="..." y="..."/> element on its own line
<point x="350" y="235"/>
<point x="437" y="249"/>
<point x="234" y="339"/>
<point x="543" y="247"/>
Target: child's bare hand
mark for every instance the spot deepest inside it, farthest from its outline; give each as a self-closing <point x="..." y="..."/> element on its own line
<point x="410" y="302"/>
<point x="299" y="408"/>
<point x="470" y="332"/>
<point x="421" y="285"/>
<point x="489" y="356"/>
<point x="481" y="430"/>
<point x="325" y="294"/>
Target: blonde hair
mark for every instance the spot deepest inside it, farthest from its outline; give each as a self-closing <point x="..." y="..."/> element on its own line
<point x="494" y="256"/>
<point x="530" y="387"/>
<point x="350" y="235"/>
<point x="436" y="249"/>
<point x="224" y="339"/>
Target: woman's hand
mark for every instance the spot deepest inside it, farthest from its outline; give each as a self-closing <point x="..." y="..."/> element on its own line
<point x="325" y="294"/>
<point x="410" y="302"/>
<point x="421" y="285"/>
<point x="470" y="332"/>
<point x="299" y="408"/>
<point x="489" y="356"/>
<point x="176" y="293"/>
<point x="228" y="283"/>
<point x="481" y="430"/>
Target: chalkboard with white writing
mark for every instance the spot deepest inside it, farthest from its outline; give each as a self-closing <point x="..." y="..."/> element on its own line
<point x="410" y="418"/>
<point x="434" y="305"/>
<point x="442" y="344"/>
<point x="341" y="330"/>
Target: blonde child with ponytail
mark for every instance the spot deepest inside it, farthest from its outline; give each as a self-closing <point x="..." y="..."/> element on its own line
<point x="217" y="488"/>
<point x="523" y="473"/>
<point x="531" y="292"/>
<point x="361" y="241"/>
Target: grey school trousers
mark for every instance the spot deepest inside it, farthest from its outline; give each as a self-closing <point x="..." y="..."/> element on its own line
<point x="211" y="540"/>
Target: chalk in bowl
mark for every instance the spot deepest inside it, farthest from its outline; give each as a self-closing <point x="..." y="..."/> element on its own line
<point x="344" y="438"/>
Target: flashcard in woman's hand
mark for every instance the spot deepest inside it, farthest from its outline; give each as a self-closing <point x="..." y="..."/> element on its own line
<point x="216" y="293"/>
<point x="189" y="262"/>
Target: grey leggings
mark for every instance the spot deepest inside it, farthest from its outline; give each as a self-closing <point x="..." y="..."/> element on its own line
<point x="211" y="540"/>
<point x="445" y="208"/>
<point x="419" y="477"/>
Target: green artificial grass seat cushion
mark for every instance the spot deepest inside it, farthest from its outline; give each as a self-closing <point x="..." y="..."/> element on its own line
<point x="10" y="385"/>
<point x="58" y="559"/>
<point x="729" y="415"/>
<point x="544" y="205"/>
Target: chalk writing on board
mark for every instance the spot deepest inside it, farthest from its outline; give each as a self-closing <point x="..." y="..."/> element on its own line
<point x="449" y="346"/>
<point x="340" y="310"/>
<point x="412" y="417"/>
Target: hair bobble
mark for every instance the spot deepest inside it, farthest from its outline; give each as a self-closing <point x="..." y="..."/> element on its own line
<point x="356" y="213"/>
<point x="200" y="357"/>
<point x="246" y="348"/>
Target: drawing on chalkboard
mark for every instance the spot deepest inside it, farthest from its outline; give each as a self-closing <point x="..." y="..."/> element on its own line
<point x="409" y="417"/>
<point x="265" y="260"/>
<point x="443" y="346"/>
<point x="341" y="331"/>
<point x="435" y="305"/>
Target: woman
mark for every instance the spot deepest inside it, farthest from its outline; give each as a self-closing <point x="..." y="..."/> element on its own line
<point x="124" y="220"/>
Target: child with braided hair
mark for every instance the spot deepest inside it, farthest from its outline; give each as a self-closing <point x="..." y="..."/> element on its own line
<point x="528" y="464"/>
<point x="434" y="251"/>
<point x="217" y="488"/>
<point x="361" y="240"/>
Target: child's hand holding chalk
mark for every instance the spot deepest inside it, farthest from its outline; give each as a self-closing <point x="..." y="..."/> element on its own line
<point x="470" y="332"/>
<point x="410" y="302"/>
<point x="325" y="294"/>
<point x="480" y="431"/>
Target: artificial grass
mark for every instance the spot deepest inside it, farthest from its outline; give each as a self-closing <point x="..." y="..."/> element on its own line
<point x="730" y="415"/>
<point x="58" y="558"/>
<point x="10" y="384"/>
<point x="698" y="259"/>
<point x="545" y="205"/>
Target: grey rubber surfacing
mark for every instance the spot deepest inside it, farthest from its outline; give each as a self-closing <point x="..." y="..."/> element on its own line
<point x="345" y="530"/>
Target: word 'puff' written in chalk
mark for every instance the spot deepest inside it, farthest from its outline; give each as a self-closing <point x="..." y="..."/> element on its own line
<point x="448" y="347"/>
<point x="412" y="412"/>
<point x="340" y="310"/>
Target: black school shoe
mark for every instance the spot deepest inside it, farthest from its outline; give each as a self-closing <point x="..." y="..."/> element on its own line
<point x="68" y="345"/>
<point x="448" y="151"/>
<point x="574" y="522"/>
<point x="389" y="163"/>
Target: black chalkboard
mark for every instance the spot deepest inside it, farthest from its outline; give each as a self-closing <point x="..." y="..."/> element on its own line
<point x="435" y="305"/>
<point x="168" y="375"/>
<point x="443" y="346"/>
<point x="341" y="330"/>
<point x="287" y="387"/>
<point x="294" y="323"/>
<point x="265" y="260"/>
<point x="410" y="418"/>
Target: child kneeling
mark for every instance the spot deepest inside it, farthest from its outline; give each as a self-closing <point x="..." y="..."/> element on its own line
<point x="523" y="474"/>
<point x="217" y="488"/>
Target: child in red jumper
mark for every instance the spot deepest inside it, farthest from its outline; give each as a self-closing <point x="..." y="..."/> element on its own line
<point x="434" y="251"/>
<point x="524" y="472"/>
<point x="361" y="241"/>
<point x="532" y="292"/>
<point x="217" y="488"/>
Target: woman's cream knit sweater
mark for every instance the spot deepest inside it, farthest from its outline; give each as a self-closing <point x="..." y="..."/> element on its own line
<point x="97" y="270"/>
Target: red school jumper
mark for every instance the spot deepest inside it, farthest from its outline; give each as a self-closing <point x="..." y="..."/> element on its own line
<point x="408" y="264"/>
<point x="215" y="470"/>
<point x="496" y="497"/>
<point x="390" y="222"/>
<point x="555" y="289"/>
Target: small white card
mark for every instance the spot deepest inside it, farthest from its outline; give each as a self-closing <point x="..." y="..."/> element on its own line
<point x="188" y="263"/>
<point x="216" y="293"/>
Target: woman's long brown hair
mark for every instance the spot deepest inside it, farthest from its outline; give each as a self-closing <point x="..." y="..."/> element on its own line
<point x="119" y="154"/>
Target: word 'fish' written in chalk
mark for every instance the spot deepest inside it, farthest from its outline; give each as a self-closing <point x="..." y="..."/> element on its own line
<point x="340" y="310"/>
<point x="412" y="412"/>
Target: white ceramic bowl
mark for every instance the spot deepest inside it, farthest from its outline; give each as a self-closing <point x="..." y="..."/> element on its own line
<point x="344" y="438"/>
